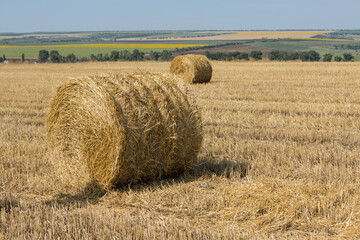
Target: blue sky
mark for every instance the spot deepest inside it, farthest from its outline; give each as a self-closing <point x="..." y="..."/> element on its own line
<point x="111" y="15"/>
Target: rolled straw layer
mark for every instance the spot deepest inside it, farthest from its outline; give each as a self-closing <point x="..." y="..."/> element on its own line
<point x="125" y="128"/>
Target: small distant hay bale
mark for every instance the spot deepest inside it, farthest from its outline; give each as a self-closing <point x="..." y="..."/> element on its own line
<point x="124" y="128"/>
<point x="192" y="68"/>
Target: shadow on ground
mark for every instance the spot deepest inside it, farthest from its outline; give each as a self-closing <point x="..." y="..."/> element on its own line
<point x="90" y="194"/>
<point x="221" y="168"/>
<point x="206" y="167"/>
<point x="7" y="202"/>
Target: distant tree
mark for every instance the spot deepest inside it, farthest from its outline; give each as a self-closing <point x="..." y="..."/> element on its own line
<point x="294" y="56"/>
<point x="126" y="55"/>
<point x="83" y="59"/>
<point x="232" y="55"/>
<point x="311" y="56"/>
<point x="212" y="56"/>
<point x="106" y="57"/>
<point x="305" y="56"/>
<point x="43" y="56"/>
<point x="348" y="57"/>
<point x="154" y="55"/>
<point x="219" y="56"/>
<point x="314" y="56"/>
<point x="275" y="55"/>
<point x="55" y="57"/>
<point x="166" y="56"/>
<point x="243" y="55"/>
<point x="100" y="57"/>
<point x="285" y="56"/>
<point x="257" y="55"/>
<point x="114" y="55"/>
<point x="71" y="58"/>
<point x="207" y="54"/>
<point x="222" y="56"/>
<point x="338" y="58"/>
<point x="137" y="55"/>
<point x="93" y="57"/>
<point x="327" y="57"/>
<point x="23" y="57"/>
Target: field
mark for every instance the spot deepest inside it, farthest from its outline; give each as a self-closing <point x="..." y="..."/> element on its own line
<point x="230" y="48"/>
<point x="83" y="44"/>
<point x="251" y="35"/>
<point x="321" y="47"/>
<point x="84" y="50"/>
<point x="280" y="159"/>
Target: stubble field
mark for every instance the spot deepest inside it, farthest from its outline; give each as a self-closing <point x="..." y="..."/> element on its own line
<point x="280" y="159"/>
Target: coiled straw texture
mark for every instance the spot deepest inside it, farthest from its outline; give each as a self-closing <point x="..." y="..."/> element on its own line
<point x="192" y="68"/>
<point x="125" y="128"/>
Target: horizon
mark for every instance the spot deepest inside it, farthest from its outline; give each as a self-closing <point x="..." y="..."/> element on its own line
<point x="191" y="30"/>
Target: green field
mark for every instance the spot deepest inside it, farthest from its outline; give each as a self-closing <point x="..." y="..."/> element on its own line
<point x="33" y="52"/>
<point x="30" y="44"/>
<point x="321" y="47"/>
<point x="83" y="49"/>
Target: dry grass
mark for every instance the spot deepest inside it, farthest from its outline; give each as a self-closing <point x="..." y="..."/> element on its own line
<point x="280" y="159"/>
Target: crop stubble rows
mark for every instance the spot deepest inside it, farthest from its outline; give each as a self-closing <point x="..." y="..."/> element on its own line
<point x="280" y="158"/>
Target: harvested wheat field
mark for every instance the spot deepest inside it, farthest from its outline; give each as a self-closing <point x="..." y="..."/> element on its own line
<point x="280" y="158"/>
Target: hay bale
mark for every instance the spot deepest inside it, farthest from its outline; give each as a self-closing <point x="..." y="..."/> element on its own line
<point x="192" y="68"/>
<point x="124" y="128"/>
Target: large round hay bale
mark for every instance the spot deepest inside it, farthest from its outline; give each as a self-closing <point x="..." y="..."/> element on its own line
<point x="192" y="68"/>
<point x="125" y="128"/>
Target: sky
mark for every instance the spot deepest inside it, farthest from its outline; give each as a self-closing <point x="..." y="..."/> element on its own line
<point x="21" y="16"/>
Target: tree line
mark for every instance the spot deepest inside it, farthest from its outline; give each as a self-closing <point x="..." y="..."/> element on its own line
<point x="165" y="55"/>
<point x="124" y="55"/>
<point x="308" y="56"/>
<point x="275" y="55"/>
<point x="228" y="56"/>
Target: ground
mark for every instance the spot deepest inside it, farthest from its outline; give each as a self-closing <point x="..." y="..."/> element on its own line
<point x="280" y="159"/>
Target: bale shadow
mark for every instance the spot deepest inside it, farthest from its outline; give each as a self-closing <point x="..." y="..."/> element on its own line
<point x="206" y="167"/>
<point x="220" y="167"/>
<point x="7" y="202"/>
<point x="90" y="194"/>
